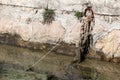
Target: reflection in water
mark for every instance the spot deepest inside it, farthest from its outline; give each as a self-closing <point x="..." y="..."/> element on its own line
<point x="15" y="60"/>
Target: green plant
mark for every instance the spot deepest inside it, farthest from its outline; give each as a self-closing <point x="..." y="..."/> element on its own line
<point x="48" y="15"/>
<point x="78" y="14"/>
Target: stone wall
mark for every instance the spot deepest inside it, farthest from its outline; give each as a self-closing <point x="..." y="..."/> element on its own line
<point x="24" y="17"/>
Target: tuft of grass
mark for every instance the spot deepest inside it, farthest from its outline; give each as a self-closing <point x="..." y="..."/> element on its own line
<point x="78" y="14"/>
<point x="48" y="15"/>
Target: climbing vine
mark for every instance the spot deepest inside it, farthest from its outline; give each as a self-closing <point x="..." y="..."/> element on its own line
<point x="48" y="15"/>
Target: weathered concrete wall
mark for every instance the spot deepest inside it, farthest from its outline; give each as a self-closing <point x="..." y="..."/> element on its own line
<point x="24" y="17"/>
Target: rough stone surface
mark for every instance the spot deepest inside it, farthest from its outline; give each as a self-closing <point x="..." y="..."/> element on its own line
<point x="28" y="24"/>
<point x="110" y="7"/>
<point x="74" y="35"/>
<point x="24" y="17"/>
<point x="106" y="35"/>
<point x="110" y="44"/>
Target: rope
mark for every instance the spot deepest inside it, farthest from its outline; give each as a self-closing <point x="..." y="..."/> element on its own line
<point x="44" y="55"/>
